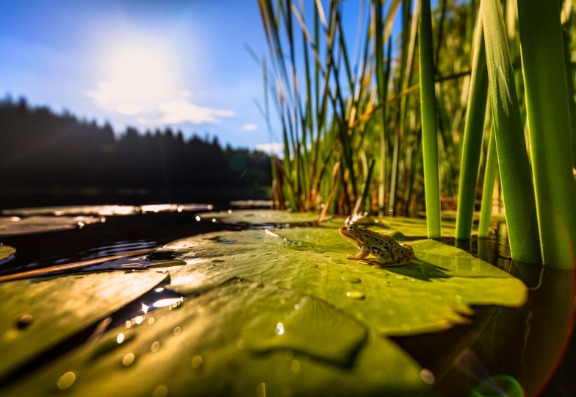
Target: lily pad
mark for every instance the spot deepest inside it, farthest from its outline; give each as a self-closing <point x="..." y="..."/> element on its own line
<point x="430" y="294"/>
<point x="238" y="339"/>
<point x="252" y="203"/>
<point x="38" y="313"/>
<point x="260" y="217"/>
<point x="279" y="312"/>
<point x="6" y="251"/>
<point x="408" y="226"/>
<point x="36" y="224"/>
<point x="105" y="210"/>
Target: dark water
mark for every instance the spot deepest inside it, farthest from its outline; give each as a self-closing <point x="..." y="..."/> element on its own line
<point x="118" y="235"/>
<point x="525" y="351"/>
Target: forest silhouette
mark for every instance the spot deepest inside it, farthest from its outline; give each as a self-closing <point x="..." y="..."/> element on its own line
<point x="42" y="151"/>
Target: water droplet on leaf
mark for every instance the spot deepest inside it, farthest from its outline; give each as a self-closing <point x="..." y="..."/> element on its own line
<point x="128" y="359"/>
<point x="66" y="380"/>
<point x="427" y="376"/>
<point x="197" y="362"/>
<point x="160" y="391"/>
<point x="155" y="346"/>
<point x="24" y="321"/>
<point x="355" y="295"/>
<point x="295" y="366"/>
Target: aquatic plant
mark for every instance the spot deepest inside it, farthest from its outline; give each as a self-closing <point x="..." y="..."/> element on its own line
<point x="359" y="102"/>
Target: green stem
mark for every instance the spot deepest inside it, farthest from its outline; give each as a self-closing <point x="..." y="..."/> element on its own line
<point x="548" y="111"/>
<point x="488" y="189"/>
<point x="473" y="132"/>
<point x="429" y="122"/>
<point x="513" y="161"/>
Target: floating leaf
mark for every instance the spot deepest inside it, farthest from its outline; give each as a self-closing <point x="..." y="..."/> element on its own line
<point x="260" y="217"/>
<point x="408" y="226"/>
<point x="105" y="210"/>
<point x="429" y="294"/>
<point x="281" y="312"/>
<point x="38" y="313"/>
<point x="6" y="251"/>
<point x="226" y="342"/>
<point x="35" y="224"/>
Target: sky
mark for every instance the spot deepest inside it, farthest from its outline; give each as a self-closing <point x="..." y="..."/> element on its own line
<point x="141" y="63"/>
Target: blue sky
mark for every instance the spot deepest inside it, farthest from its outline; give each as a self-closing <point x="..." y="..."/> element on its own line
<point x="144" y="63"/>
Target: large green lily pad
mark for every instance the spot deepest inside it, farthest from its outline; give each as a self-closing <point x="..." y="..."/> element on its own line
<point x="238" y="339"/>
<point x="38" y="313"/>
<point x="260" y="217"/>
<point x="6" y="251"/>
<point x="409" y="226"/>
<point x="430" y="294"/>
<point x="280" y="312"/>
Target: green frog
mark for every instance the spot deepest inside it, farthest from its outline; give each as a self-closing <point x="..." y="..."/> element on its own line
<point x="387" y="251"/>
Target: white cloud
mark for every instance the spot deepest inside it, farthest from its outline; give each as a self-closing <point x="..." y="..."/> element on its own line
<point x="181" y="110"/>
<point x="249" y="127"/>
<point x="171" y="108"/>
<point x="271" y="147"/>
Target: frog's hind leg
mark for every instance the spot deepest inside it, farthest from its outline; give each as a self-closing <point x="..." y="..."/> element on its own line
<point x="379" y="265"/>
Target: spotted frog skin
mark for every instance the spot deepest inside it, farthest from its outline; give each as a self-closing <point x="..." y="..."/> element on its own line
<point x="387" y="251"/>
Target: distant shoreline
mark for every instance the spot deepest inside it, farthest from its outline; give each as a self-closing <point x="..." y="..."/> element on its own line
<point x="17" y="197"/>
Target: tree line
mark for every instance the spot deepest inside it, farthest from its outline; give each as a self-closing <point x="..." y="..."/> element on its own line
<point x="43" y="149"/>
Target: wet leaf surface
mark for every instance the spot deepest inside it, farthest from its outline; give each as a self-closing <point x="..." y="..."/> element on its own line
<point x="264" y="312"/>
<point x="429" y="294"/>
<point x="408" y="226"/>
<point x="14" y="225"/>
<point x="260" y="217"/>
<point x="226" y="342"/>
<point x="6" y="251"/>
<point x="38" y="313"/>
<point x="105" y="210"/>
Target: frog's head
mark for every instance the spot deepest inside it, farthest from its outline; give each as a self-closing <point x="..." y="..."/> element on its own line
<point x="409" y="249"/>
<point x="352" y="233"/>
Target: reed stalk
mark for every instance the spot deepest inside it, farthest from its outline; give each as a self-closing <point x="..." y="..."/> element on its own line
<point x="490" y="172"/>
<point x="473" y="134"/>
<point x="429" y="122"/>
<point x="548" y="111"/>
<point x="513" y="160"/>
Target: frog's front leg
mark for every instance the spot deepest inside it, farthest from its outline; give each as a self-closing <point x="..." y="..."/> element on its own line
<point x="364" y="252"/>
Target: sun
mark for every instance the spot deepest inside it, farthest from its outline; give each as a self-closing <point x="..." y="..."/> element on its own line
<point x="141" y="80"/>
<point x="135" y="77"/>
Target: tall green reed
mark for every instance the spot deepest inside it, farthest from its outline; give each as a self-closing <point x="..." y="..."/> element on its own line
<point x="429" y="125"/>
<point x="358" y="136"/>
<point x="548" y="112"/>
<point x="473" y="136"/>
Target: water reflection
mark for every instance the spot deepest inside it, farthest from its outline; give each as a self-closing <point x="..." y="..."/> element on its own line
<point x="507" y="351"/>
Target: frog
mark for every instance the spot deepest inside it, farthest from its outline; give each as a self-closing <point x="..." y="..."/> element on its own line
<point x="386" y="250"/>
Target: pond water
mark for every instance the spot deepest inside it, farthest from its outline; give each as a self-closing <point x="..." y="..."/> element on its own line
<point x="530" y="348"/>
